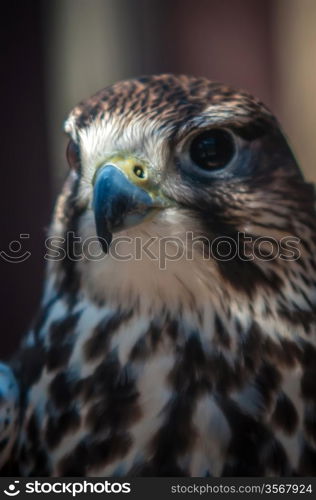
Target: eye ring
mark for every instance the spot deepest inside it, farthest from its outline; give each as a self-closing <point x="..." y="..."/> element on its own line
<point x="212" y="149"/>
<point x="139" y="171"/>
<point x="73" y="155"/>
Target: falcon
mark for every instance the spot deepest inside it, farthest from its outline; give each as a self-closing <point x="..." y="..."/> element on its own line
<point x="176" y="333"/>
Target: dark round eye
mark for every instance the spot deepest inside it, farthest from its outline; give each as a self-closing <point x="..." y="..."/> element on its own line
<point x="212" y="149"/>
<point x="73" y="155"/>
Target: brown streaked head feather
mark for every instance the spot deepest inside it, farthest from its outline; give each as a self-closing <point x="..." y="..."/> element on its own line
<point x="169" y="98"/>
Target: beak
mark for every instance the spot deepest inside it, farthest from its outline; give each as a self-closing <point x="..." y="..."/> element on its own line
<point x="123" y="196"/>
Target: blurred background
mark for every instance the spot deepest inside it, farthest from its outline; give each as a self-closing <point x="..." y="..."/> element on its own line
<point x="56" y="52"/>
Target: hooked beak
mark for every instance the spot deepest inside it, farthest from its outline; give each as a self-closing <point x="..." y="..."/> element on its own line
<point x="123" y="196"/>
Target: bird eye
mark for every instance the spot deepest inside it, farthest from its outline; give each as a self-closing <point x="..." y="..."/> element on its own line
<point x="73" y="155"/>
<point x="212" y="149"/>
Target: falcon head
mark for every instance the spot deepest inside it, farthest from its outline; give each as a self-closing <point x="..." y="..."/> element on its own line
<point x="161" y="156"/>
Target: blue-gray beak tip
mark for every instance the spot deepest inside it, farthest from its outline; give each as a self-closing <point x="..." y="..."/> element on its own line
<point x="117" y="203"/>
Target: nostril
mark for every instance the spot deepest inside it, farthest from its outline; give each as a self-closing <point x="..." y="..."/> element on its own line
<point x="139" y="171"/>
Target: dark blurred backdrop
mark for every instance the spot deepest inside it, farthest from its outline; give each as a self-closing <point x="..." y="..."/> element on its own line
<point x="55" y="52"/>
